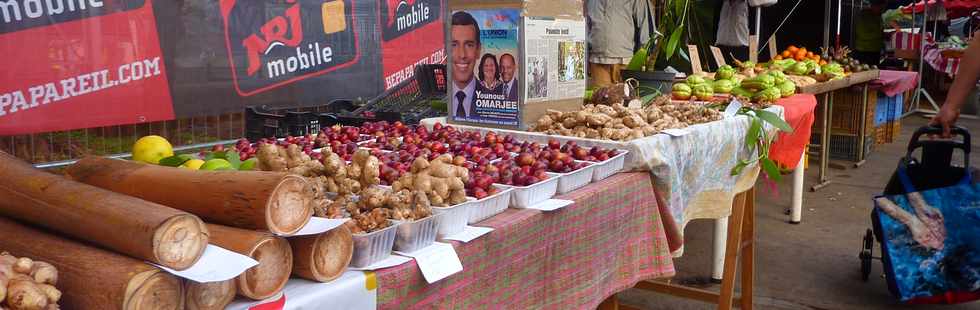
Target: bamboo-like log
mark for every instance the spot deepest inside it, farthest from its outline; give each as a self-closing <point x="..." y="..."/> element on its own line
<point x="121" y="223"/>
<point x="273" y="254"/>
<point x="322" y="257"/>
<point x="210" y="295"/>
<point x="277" y="202"/>
<point x="93" y="278"/>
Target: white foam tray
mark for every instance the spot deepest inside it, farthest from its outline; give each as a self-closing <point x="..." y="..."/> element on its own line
<point x="526" y="196"/>
<point x="491" y="205"/>
<point x="609" y="167"/>
<point x="571" y="181"/>
<point x="454" y="218"/>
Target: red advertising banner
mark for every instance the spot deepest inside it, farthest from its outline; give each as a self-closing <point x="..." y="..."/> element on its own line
<point x="411" y="34"/>
<point x="80" y="64"/>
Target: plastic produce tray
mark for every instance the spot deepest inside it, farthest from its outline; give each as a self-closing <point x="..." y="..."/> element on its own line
<point x="491" y="205"/>
<point x="414" y="235"/>
<point x="609" y="167"/>
<point x="373" y="247"/>
<point x="454" y="218"/>
<point x="571" y="181"/>
<point x="526" y="196"/>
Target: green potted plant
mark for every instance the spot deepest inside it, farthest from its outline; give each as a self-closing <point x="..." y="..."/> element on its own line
<point x="648" y="62"/>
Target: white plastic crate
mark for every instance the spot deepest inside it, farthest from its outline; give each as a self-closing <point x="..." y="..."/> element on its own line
<point x="454" y="218"/>
<point x="571" y="181"/>
<point x="609" y="167"/>
<point x="491" y="205"/>
<point x="414" y="235"/>
<point x="526" y="196"/>
<point x="373" y="247"/>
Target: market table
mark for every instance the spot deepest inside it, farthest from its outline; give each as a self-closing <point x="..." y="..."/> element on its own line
<point x="693" y="180"/>
<point x="788" y="149"/>
<point x="827" y="89"/>
<point x="572" y="258"/>
<point x="891" y="82"/>
<point x="933" y="55"/>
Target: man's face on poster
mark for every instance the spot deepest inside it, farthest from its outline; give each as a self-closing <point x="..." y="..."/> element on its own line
<point x="507" y="68"/>
<point x="465" y="51"/>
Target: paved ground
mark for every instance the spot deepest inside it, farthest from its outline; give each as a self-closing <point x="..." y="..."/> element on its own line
<point x="813" y="265"/>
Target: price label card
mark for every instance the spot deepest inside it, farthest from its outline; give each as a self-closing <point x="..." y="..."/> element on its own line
<point x="732" y="108"/>
<point x="675" y="132"/>
<point x="773" y="51"/>
<point x="469" y="233"/>
<point x="437" y="261"/>
<point x="551" y="204"/>
<point x="692" y="51"/>
<point x="319" y="225"/>
<point x="719" y="57"/>
<point x="216" y="264"/>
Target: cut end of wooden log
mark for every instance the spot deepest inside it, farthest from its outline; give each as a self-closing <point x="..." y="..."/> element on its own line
<point x="330" y="255"/>
<point x="211" y="295"/>
<point x="275" y="259"/>
<point x="180" y="241"/>
<point x="154" y="290"/>
<point x="290" y="205"/>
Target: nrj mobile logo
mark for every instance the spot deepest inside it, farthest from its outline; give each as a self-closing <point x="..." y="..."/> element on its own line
<point x="402" y="16"/>
<point x="270" y="44"/>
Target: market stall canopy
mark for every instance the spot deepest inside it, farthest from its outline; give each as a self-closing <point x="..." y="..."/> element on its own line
<point x="954" y="8"/>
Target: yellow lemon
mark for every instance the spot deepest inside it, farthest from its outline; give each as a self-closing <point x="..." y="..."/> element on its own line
<point x="193" y="164"/>
<point x="150" y="149"/>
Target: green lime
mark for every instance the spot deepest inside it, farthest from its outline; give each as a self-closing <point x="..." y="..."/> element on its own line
<point x="216" y="164"/>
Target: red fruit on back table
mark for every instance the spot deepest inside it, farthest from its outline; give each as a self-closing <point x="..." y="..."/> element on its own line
<point x="554" y="144"/>
<point x="525" y="159"/>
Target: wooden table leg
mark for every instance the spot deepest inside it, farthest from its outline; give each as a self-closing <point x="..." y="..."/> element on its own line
<point x="740" y="243"/>
<point x="611" y="303"/>
<point x="825" y="136"/>
<point x="748" y="250"/>
<point x="735" y="222"/>
<point x="862" y="130"/>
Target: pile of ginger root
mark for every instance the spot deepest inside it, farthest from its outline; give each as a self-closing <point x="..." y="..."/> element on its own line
<point x="620" y="123"/>
<point x="329" y="175"/>
<point x="27" y="284"/>
<point x="375" y="206"/>
<point x="441" y="181"/>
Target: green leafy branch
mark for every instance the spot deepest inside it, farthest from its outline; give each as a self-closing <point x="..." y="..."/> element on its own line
<point x="760" y="140"/>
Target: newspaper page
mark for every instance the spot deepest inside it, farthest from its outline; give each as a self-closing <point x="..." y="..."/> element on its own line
<point x="555" y="58"/>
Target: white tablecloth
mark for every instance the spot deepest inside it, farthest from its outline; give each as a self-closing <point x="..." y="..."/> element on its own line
<point x="691" y="171"/>
<point x="354" y="290"/>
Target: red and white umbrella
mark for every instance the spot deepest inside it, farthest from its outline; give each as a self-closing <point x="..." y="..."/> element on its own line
<point x="954" y="8"/>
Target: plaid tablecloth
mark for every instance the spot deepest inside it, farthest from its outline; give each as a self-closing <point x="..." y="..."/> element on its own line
<point x="933" y="55"/>
<point x="572" y="258"/>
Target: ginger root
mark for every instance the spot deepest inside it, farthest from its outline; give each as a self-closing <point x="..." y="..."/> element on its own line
<point x="620" y="123"/>
<point x="27" y="284"/>
<point x="440" y="180"/>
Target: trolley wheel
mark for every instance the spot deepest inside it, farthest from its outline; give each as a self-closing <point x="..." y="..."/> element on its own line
<point x="866" y="255"/>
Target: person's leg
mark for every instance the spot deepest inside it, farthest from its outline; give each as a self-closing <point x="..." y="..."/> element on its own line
<point x="601" y="75"/>
<point x="617" y="76"/>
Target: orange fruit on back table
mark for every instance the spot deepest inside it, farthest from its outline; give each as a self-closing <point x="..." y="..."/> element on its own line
<point x="800" y="54"/>
<point x="786" y="54"/>
<point x="792" y="49"/>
